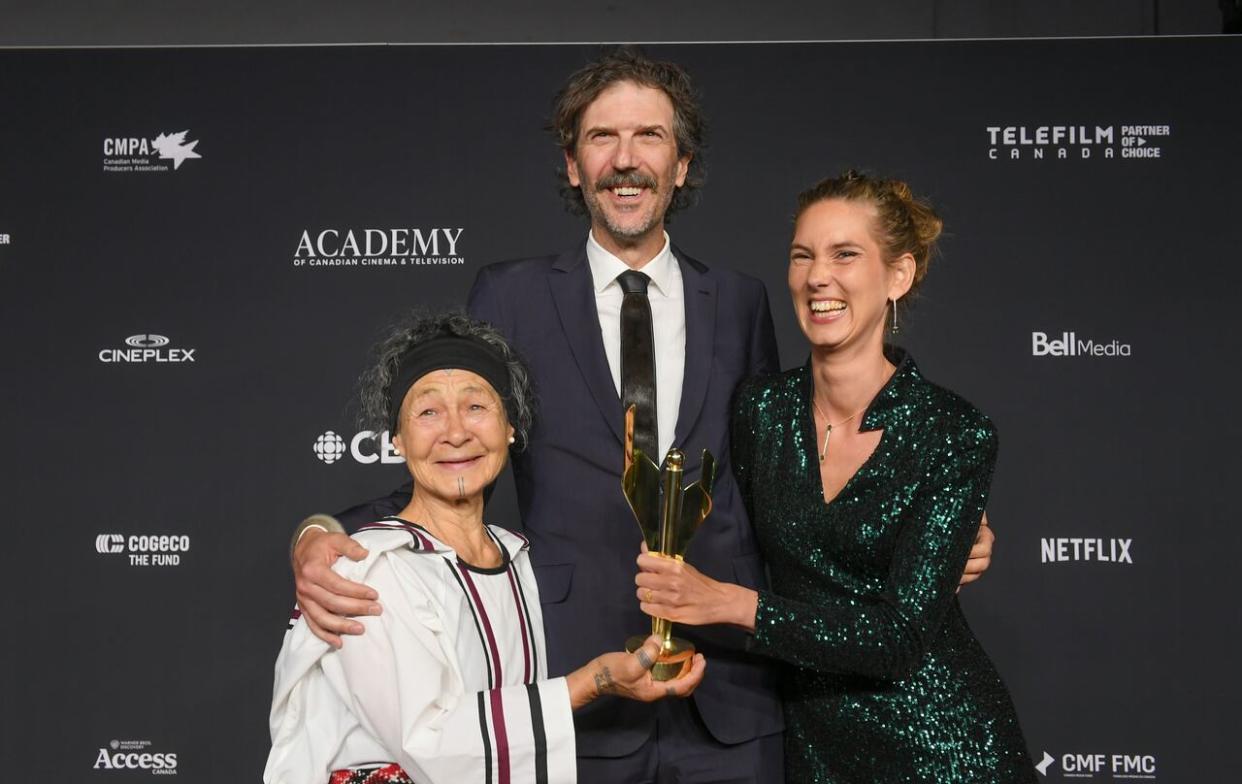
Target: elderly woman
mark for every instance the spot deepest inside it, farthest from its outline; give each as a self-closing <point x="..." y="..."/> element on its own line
<point x="449" y="683"/>
<point x="865" y="483"/>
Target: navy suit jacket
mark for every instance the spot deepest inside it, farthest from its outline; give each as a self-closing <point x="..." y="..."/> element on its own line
<point x="583" y="536"/>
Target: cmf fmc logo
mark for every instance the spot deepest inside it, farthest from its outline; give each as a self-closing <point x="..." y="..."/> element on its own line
<point x="1086" y="766"/>
<point x="146" y="348"/>
<point x="363" y="448"/>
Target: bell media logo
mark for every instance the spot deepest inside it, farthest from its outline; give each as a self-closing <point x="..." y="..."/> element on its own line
<point x="1089" y="766"/>
<point x="399" y="247"/>
<point x="365" y="448"/>
<point x="145" y="549"/>
<point x="143" y="154"/>
<point x="1076" y="142"/>
<point x="146" y="348"/>
<point x="136" y="755"/>
<point x="1068" y="344"/>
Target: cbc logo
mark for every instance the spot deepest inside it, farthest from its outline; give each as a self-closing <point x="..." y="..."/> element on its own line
<point x="330" y="447"/>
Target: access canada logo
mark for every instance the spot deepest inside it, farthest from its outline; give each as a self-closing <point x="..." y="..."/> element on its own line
<point x="399" y="247"/>
<point x="136" y="755"/>
<point x="1068" y="344"/>
<point x="141" y="349"/>
<point x="362" y="448"/>
<point x="1076" y="142"/>
<point x="1096" y="765"/>
<point x="122" y="154"/>
<point x="145" y="549"/>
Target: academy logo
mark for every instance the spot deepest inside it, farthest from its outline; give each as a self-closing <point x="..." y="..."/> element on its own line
<point x="1105" y="766"/>
<point x="136" y="755"/>
<point x="363" y="448"/>
<point x="143" y="154"/>
<point x="1068" y="344"/>
<point x="1076" y="142"/>
<point x="399" y="247"/>
<point x="145" y="549"/>
<point x="146" y="348"/>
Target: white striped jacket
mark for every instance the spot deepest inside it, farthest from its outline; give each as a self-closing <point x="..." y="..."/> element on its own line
<point x="450" y="682"/>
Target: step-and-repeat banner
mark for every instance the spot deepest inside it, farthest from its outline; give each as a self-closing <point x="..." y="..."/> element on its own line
<point x="197" y="248"/>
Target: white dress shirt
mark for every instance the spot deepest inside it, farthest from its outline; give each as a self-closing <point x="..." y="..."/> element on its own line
<point x="668" y="321"/>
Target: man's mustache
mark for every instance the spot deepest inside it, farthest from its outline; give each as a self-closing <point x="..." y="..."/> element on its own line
<point x="626" y="180"/>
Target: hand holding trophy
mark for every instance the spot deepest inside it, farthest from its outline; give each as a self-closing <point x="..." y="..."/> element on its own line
<point x="668" y="516"/>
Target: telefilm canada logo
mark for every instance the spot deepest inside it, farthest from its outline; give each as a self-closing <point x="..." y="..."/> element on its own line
<point x="1076" y="142"/>
<point x="1068" y="344"/>
<point x="399" y="247"/>
<point x="1078" y="549"/>
<point x="1096" y="765"/>
<point x="136" y="755"/>
<point x="363" y="448"/>
<point x="140" y="349"/>
<point x="123" y="154"/>
<point x="145" y="549"/>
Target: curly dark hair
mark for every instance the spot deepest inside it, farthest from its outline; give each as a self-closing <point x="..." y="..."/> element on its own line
<point x="417" y="327"/>
<point x="628" y="64"/>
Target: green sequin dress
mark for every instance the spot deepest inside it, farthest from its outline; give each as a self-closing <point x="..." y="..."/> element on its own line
<point x="884" y="680"/>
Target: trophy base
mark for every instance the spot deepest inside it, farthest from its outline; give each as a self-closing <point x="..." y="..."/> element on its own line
<point x="674" y="661"/>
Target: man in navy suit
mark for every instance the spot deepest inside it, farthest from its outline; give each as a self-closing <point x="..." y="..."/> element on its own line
<point x="630" y="129"/>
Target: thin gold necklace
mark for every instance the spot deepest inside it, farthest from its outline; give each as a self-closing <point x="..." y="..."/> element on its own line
<point x="828" y="426"/>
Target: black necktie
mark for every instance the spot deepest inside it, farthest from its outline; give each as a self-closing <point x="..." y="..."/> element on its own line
<point x="638" y="379"/>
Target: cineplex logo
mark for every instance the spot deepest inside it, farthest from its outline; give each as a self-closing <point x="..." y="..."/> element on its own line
<point x="146" y="348"/>
<point x="1087" y="766"/>
<point x="1075" y="142"/>
<point x="330" y="448"/>
<point x="1067" y="344"/>
<point x="400" y="247"/>
<point x="1076" y="548"/>
<point x="145" y="549"/>
<point x="5" y="239"/>
<point x="135" y="755"/>
<point x="141" y="154"/>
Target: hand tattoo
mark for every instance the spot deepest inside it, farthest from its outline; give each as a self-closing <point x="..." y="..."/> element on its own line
<point x="604" y="683"/>
<point x="644" y="658"/>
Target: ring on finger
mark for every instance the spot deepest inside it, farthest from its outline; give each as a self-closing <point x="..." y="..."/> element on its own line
<point x="647" y="596"/>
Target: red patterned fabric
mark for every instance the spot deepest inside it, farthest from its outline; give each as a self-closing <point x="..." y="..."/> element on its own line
<point x="389" y="774"/>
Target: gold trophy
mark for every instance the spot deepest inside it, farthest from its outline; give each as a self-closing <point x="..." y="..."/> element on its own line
<point x="668" y="516"/>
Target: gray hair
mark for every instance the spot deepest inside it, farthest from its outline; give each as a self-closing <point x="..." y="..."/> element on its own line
<point x="418" y="327"/>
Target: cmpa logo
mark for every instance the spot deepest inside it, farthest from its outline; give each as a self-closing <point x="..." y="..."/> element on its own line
<point x="1068" y="345"/>
<point x="330" y="447"/>
<point x="401" y="247"/>
<point x="145" y="549"/>
<point x="1117" y="766"/>
<point x="135" y="755"/>
<point x="1062" y="142"/>
<point x="140" y="154"/>
<point x="146" y="348"/>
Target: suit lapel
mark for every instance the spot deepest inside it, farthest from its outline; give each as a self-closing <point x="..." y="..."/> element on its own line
<point x="574" y="295"/>
<point x="700" y="294"/>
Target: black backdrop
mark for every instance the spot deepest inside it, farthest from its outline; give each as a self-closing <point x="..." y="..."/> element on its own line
<point x="122" y="644"/>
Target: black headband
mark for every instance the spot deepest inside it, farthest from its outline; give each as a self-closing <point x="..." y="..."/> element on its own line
<point x="442" y="353"/>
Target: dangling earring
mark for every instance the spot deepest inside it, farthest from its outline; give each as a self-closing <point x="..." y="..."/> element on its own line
<point x="896" y="328"/>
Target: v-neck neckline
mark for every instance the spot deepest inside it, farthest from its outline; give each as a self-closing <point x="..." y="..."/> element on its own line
<point x="809" y="438"/>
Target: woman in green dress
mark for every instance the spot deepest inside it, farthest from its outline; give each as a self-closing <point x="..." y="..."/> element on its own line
<point x="865" y="483"/>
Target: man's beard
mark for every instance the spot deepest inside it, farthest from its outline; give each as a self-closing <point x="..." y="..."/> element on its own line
<point x="621" y="180"/>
